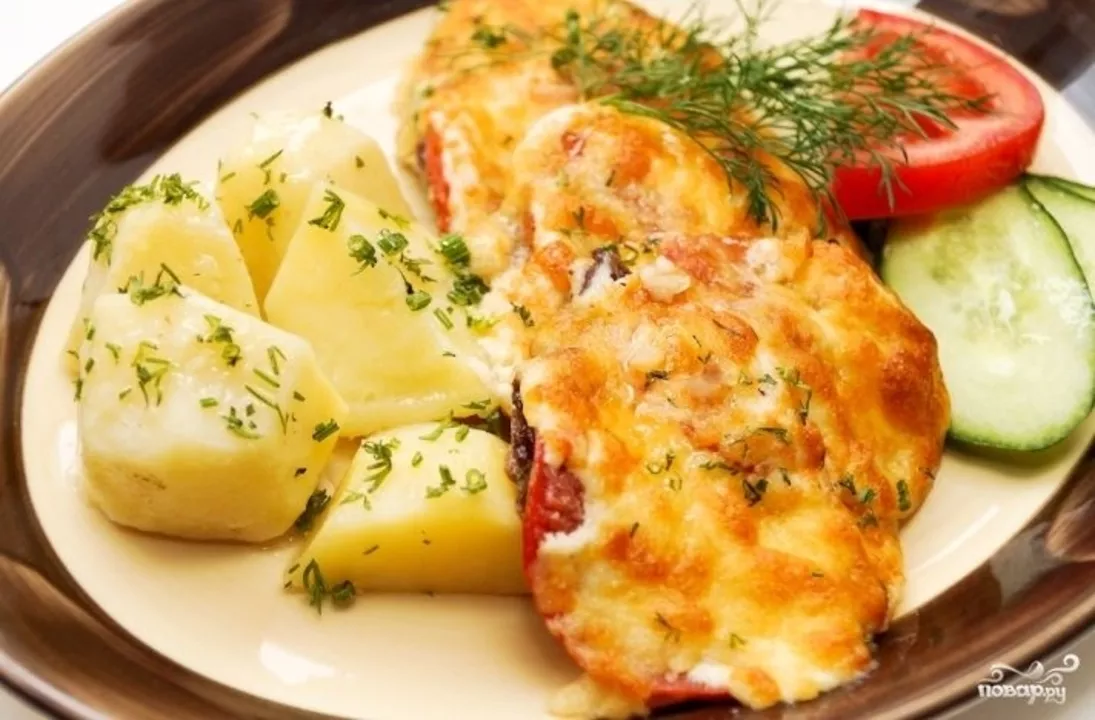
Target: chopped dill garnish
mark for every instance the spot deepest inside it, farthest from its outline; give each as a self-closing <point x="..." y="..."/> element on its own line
<point x="266" y="378"/>
<point x="392" y="243"/>
<point x="362" y="251"/>
<point x="672" y="633"/>
<point x="166" y="283"/>
<point x="264" y="204"/>
<point x="418" y="300"/>
<point x="718" y="465"/>
<point x="754" y="491"/>
<point x="236" y="425"/>
<point x="332" y="214"/>
<point x="653" y="376"/>
<point x="324" y="430"/>
<point x="443" y="318"/>
<point x="354" y="496"/>
<point x="265" y="164"/>
<point x="474" y="482"/>
<point x="779" y="433"/>
<point x="221" y="334"/>
<point x="847" y="481"/>
<point x="341" y="594"/>
<point x="663" y="465"/>
<point x="524" y="314"/>
<point x="150" y="370"/>
<point x="904" y="503"/>
<point x="447" y="482"/>
<point x="436" y="433"/>
<point x="455" y="251"/>
<point x="400" y="222"/>
<point x="381" y="467"/>
<point x="283" y="418"/>
<point x="274" y="352"/>
<point x="315" y="506"/>
<point x="467" y="290"/>
<point x="488" y="36"/>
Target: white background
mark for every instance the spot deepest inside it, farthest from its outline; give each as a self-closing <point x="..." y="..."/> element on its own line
<point x="29" y="29"/>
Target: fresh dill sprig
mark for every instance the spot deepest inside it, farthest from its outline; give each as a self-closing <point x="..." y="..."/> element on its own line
<point x="848" y="95"/>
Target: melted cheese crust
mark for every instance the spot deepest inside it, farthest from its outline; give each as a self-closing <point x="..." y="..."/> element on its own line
<point x="747" y="447"/>
<point x="472" y="105"/>
<point x="750" y="417"/>
<point x="588" y="176"/>
<point x="465" y="109"/>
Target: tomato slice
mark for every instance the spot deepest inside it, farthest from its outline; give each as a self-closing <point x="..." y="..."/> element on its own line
<point x="554" y="502"/>
<point x="436" y="182"/>
<point x="951" y="167"/>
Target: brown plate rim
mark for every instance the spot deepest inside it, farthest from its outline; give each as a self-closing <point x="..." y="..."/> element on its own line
<point x="60" y="135"/>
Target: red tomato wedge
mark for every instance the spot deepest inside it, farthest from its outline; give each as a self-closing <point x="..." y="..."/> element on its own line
<point x="554" y="503"/>
<point x="951" y="167"/>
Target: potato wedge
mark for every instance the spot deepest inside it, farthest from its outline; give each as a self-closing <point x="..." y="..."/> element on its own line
<point x="164" y="227"/>
<point x="263" y="187"/>
<point x="374" y="297"/>
<point x="200" y="421"/>
<point x="422" y="508"/>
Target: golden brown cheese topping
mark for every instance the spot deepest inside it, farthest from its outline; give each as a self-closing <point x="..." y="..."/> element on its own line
<point x="589" y="178"/>
<point x="732" y="420"/>
<point x="482" y="85"/>
<point x="749" y="421"/>
<point x="470" y="98"/>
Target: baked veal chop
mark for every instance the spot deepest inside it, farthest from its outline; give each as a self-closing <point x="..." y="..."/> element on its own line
<point x="726" y="443"/>
<point x="480" y="86"/>
<point x="721" y="425"/>
<point x="726" y="431"/>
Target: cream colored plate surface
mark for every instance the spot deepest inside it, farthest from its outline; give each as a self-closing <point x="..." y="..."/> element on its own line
<point x="220" y="611"/>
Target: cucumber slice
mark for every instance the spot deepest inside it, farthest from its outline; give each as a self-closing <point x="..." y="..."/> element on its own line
<point x="1076" y="216"/>
<point x="1084" y="191"/>
<point x="997" y="284"/>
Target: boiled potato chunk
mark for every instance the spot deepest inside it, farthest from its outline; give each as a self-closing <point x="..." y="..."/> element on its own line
<point x="417" y="514"/>
<point x="164" y="224"/>
<point x="200" y="421"/>
<point x="263" y="187"/>
<point x="395" y="358"/>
